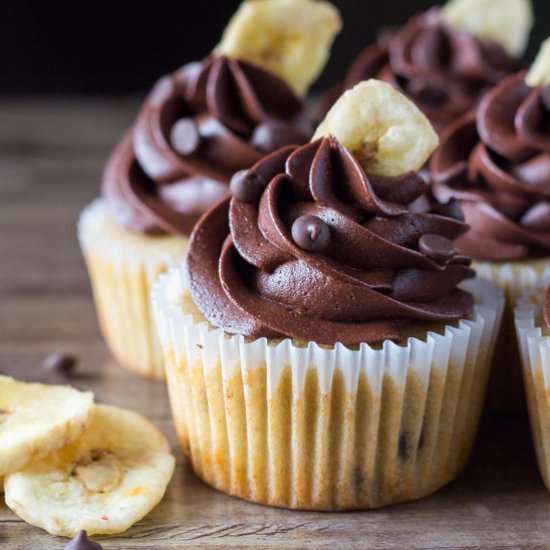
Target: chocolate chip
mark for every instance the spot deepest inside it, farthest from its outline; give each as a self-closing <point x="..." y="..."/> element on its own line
<point x="311" y="233"/>
<point x="450" y="209"/>
<point x="537" y="217"/>
<point x="61" y="363"/>
<point x="82" y="542"/>
<point x="271" y="136"/>
<point x="545" y="97"/>
<point x="358" y="479"/>
<point x="185" y="137"/>
<point x="421" y="205"/>
<point x="247" y="186"/>
<point x="436" y="247"/>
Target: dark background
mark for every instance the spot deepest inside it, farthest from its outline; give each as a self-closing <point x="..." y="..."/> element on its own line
<point x="97" y="47"/>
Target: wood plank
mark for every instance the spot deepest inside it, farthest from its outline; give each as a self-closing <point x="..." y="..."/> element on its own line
<point x="51" y="157"/>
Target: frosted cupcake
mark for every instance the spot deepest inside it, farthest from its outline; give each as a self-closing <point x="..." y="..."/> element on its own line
<point x="497" y="164"/>
<point x="319" y="351"/>
<point x="198" y="126"/>
<point x="532" y="318"/>
<point x="446" y="58"/>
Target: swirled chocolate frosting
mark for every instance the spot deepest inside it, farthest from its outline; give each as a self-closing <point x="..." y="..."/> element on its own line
<point x="498" y="165"/>
<point x="443" y="70"/>
<point x="311" y="248"/>
<point x="197" y="127"/>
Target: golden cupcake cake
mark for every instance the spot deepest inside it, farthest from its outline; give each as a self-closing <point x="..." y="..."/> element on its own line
<point x="197" y="127"/>
<point x="326" y="347"/>
<point x="532" y="319"/>
<point x="496" y="163"/>
<point x="446" y="58"/>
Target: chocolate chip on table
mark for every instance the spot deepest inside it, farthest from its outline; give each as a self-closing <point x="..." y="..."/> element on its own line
<point x="82" y="542"/>
<point x="450" y="209"/>
<point x="185" y="137"/>
<point x="247" y="186"/>
<point x="436" y="247"/>
<point x="62" y="363"/>
<point x="311" y="233"/>
<point x="545" y="97"/>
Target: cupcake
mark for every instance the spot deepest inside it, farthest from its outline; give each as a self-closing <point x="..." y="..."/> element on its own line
<point x="446" y="58"/>
<point x="325" y="346"/>
<point x="198" y="127"/>
<point x="496" y="162"/>
<point x="532" y="318"/>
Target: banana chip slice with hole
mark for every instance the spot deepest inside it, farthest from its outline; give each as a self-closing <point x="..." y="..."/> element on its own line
<point x="383" y="130"/>
<point x="505" y="22"/>
<point x="37" y="419"/>
<point x="290" y="38"/>
<point x="109" y="479"/>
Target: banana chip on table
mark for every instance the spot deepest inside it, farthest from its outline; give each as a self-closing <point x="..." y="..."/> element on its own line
<point x="290" y="38"/>
<point x="382" y="129"/>
<point x="505" y="22"/>
<point x="36" y="419"/>
<point x="109" y="479"/>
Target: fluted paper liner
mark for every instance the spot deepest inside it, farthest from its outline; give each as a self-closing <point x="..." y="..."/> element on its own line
<point x="534" y="346"/>
<point x="123" y="267"/>
<point x="312" y="427"/>
<point x="506" y="387"/>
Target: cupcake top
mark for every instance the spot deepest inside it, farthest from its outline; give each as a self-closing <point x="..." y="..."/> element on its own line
<point x="497" y="163"/>
<point x="441" y="63"/>
<point x="212" y="118"/>
<point x="313" y="248"/>
<point x="197" y="127"/>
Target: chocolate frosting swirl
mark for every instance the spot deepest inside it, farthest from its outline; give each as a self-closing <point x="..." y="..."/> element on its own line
<point x="197" y="127"/>
<point x="498" y="165"/>
<point x="443" y="70"/>
<point x="326" y="253"/>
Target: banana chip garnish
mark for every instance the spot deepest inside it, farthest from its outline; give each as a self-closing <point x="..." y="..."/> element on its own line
<point x="382" y="129"/>
<point x="36" y="419"/>
<point x="539" y="74"/>
<point x="505" y="22"/>
<point x="290" y="38"/>
<point x="109" y="479"/>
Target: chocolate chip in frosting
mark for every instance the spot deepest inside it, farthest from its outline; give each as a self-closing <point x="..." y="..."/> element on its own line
<point x="311" y="233"/>
<point x="82" y="542"/>
<point x="436" y="247"/>
<point x="545" y="97"/>
<point x="272" y="135"/>
<point x="450" y="209"/>
<point x="247" y="185"/>
<point x="185" y="137"/>
<point x="537" y="218"/>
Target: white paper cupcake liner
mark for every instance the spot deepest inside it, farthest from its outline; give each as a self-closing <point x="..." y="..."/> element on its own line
<point x="534" y="348"/>
<point x="506" y="393"/>
<point x="325" y="428"/>
<point x="123" y="266"/>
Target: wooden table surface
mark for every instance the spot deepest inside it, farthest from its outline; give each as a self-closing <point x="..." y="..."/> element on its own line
<point x="51" y="156"/>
